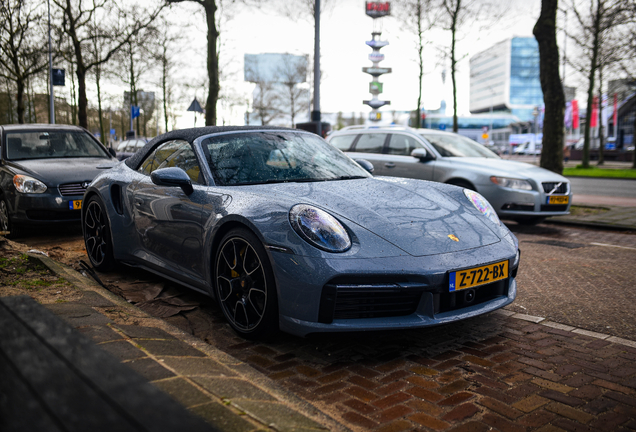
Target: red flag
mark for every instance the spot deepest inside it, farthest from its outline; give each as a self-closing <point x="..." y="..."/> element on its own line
<point x="575" y="114"/>
<point x="615" y="112"/>
<point x="594" y="118"/>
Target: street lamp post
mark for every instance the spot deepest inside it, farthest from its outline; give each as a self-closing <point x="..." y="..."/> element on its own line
<point x="51" y="94"/>
<point x="315" y="114"/>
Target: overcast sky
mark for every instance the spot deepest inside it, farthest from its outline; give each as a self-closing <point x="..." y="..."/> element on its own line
<point x="344" y="29"/>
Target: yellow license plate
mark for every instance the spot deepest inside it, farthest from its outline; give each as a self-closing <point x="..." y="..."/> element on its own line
<point x="476" y="276"/>
<point x="75" y="205"/>
<point x="558" y="199"/>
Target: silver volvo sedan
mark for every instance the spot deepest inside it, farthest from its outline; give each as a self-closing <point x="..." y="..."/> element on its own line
<point x="517" y="191"/>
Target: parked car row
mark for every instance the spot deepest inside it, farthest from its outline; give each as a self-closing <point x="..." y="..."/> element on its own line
<point x="285" y="230"/>
<point x="517" y="191"/>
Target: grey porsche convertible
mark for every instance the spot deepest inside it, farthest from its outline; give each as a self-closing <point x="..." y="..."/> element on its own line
<point x="288" y="233"/>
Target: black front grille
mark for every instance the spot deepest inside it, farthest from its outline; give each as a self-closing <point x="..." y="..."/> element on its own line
<point x="518" y="207"/>
<point x="561" y="187"/>
<point x="50" y="215"/>
<point x="554" y="207"/>
<point x="449" y="301"/>
<point x="72" y="189"/>
<point x="367" y="301"/>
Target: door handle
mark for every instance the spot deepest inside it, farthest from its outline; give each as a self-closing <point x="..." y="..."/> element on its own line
<point x="389" y="165"/>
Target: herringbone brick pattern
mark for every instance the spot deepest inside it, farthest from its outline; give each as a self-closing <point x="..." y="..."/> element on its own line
<point x="493" y="372"/>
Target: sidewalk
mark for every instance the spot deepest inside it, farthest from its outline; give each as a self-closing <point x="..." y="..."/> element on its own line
<point x="226" y="393"/>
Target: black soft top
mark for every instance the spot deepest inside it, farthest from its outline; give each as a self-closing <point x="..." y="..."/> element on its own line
<point x="190" y="135"/>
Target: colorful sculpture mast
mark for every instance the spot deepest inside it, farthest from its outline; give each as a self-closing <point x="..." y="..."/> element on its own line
<point x="376" y="10"/>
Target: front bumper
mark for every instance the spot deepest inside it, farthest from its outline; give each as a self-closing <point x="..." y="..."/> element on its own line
<point x="306" y="288"/>
<point x="509" y="203"/>
<point x="40" y="209"/>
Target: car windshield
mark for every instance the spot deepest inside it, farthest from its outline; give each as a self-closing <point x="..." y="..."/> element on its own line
<point x="457" y="146"/>
<point x="276" y="157"/>
<point x="49" y="145"/>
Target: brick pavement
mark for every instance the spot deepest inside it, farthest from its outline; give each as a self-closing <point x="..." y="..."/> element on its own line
<point x="501" y="370"/>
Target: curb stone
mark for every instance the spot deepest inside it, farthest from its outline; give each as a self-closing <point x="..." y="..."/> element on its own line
<point x="283" y="411"/>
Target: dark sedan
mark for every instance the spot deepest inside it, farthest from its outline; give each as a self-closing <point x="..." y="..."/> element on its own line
<point x="44" y="171"/>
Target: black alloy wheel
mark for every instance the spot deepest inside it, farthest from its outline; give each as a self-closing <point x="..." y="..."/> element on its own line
<point x="97" y="235"/>
<point x="5" y="221"/>
<point x="245" y="286"/>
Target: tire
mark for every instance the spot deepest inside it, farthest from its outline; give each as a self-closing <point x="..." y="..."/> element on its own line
<point x="97" y="238"/>
<point x="5" y="221"/>
<point x="244" y="285"/>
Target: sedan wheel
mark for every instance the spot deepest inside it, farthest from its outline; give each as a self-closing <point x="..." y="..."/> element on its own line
<point x="245" y="285"/>
<point x="5" y="222"/>
<point x="97" y="235"/>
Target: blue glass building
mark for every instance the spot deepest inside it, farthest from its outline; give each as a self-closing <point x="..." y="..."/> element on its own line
<point x="505" y="78"/>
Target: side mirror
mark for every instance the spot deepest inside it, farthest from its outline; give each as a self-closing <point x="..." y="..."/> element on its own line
<point x="368" y="166"/>
<point x="422" y="155"/>
<point x="172" y="177"/>
<point x="112" y="152"/>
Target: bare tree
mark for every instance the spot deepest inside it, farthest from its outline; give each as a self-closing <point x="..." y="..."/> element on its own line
<point x="593" y="32"/>
<point x="418" y="17"/>
<point x="293" y="72"/>
<point x="79" y="24"/>
<point x="458" y="15"/>
<point x="266" y="101"/>
<point x="553" y="95"/>
<point x="21" y="45"/>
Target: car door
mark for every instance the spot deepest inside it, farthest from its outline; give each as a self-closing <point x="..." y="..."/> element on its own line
<point x="400" y="163"/>
<point x="369" y="146"/>
<point x="167" y="220"/>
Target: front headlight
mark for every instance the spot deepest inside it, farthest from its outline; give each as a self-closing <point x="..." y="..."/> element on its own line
<point x="319" y="228"/>
<point x="511" y="183"/>
<point x="26" y="184"/>
<point x="482" y="205"/>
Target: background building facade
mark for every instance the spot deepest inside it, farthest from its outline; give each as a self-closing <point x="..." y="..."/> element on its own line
<point x="505" y="77"/>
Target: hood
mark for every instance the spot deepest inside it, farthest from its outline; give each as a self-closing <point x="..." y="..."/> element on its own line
<point x="410" y="214"/>
<point x="507" y="168"/>
<point x="54" y="172"/>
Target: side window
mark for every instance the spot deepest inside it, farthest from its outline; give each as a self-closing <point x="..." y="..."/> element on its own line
<point x="402" y="145"/>
<point x="185" y="159"/>
<point x="371" y="143"/>
<point x="159" y="155"/>
<point x="342" y="142"/>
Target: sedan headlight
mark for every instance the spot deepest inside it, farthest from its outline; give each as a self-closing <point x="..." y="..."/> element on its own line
<point x="319" y="228"/>
<point x="26" y="184"/>
<point x="482" y="205"/>
<point x="511" y="183"/>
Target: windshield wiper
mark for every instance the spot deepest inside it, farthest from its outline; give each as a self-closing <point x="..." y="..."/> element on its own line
<point x="353" y="177"/>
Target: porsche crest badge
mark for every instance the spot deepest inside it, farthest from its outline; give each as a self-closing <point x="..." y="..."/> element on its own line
<point x="453" y="237"/>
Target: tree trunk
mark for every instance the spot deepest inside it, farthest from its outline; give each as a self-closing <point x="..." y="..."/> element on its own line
<point x="420" y="48"/>
<point x="213" y="63"/>
<point x="20" y="96"/>
<point x="590" y="89"/>
<point x="454" y="62"/>
<point x="99" y="106"/>
<point x="601" y="144"/>
<point x="553" y="96"/>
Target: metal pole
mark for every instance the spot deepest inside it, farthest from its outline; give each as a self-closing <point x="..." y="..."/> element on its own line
<point x="315" y="115"/>
<point x="51" y="94"/>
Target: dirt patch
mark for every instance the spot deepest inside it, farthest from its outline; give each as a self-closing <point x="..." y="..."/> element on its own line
<point x="21" y="274"/>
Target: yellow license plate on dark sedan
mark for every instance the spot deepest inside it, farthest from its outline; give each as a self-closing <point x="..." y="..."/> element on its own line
<point x="75" y="205"/>
<point x="558" y="199"/>
<point x="476" y="276"/>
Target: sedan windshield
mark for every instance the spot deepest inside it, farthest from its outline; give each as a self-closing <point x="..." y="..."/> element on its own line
<point x="276" y="157"/>
<point x="458" y="146"/>
<point x="48" y="145"/>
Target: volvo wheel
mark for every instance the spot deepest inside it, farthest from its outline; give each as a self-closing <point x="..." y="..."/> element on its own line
<point x="97" y="239"/>
<point x="245" y="287"/>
